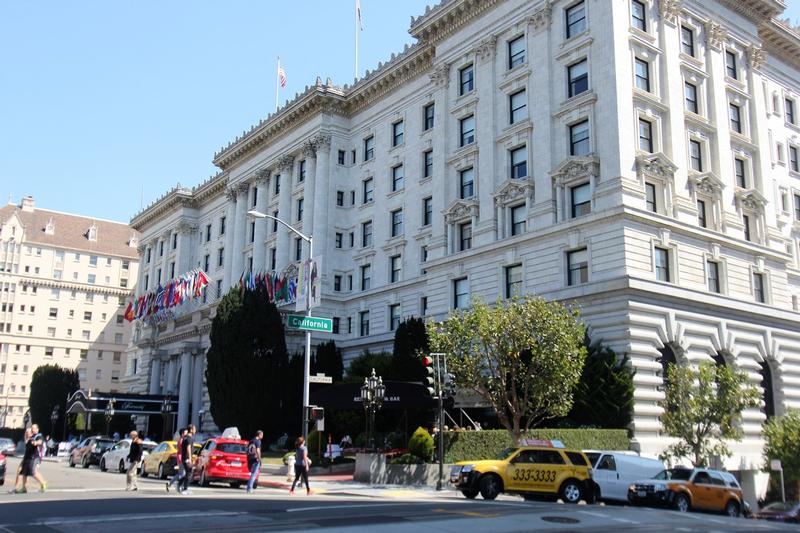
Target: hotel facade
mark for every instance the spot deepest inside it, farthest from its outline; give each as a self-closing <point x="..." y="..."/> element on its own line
<point x="637" y="157"/>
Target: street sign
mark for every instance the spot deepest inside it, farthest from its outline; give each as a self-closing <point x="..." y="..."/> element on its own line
<point x="310" y="323"/>
<point x="320" y="378"/>
<point x="775" y="465"/>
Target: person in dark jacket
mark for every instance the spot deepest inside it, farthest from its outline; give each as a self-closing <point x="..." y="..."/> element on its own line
<point x="134" y="461"/>
<point x="187" y="446"/>
<point x="30" y="463"/>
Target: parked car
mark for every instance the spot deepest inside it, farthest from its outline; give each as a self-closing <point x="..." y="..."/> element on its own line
<point x="163" y="459"/>
<point x="2" y="469"/>
<point x="117" y="456"/>
<point x="89" y="451"/>
<point x="685" y="489"/>
<point x="780" y="512"/>
<point x="222" y="460"/>
<point x="614" y="471"/>
<point x="538" y="470"/>
<point x="7" y="447"/>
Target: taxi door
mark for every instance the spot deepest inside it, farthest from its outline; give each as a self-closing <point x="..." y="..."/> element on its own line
<point x="702" y="491"/>
<point x="519" y="471"/>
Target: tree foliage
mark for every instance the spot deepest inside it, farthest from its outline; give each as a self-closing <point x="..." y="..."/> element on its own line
<point x="703" y="408"/>
<point x="782" y="441"/>
<point x="50" y="387"/>
<point x="523" y="356"/>
<point x="362" y="366"/>
<point x="421" y="444"/>
<point x="604" y="395"/>
<point x="246" y="363"/>
<point x="328" y="361"/>
<point x="410" y="341"/>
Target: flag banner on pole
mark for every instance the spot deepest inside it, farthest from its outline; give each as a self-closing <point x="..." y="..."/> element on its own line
<point x="301" y="306"/>
<point x="358" y="14"/>
<point x="281" y="77"/>
<point x="314" y="283"/>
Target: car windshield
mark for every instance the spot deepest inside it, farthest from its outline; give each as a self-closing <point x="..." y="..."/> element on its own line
<point x="231" y="447"/>
<point x="505" y="454"/>
<point x="780" y="506"/>
<point x="104" y="444"/>
<point x="680" y="474"/>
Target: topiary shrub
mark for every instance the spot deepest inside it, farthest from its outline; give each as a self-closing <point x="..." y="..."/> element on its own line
<point x="421" y="444"/>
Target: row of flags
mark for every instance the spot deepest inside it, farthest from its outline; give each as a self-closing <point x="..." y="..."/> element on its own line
<point x="281" y="288"/>
<point x="175" y="292"/>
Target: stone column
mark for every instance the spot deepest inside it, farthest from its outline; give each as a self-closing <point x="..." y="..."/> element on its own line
<point x="197" y="386"/>
<point x="184" y="260"/>
<point x="155" y="374"/>
<point x="286" y="165"/>
<point x="153" y="256"/>
<point x="237" y="258"/>
<point x="230" y="228"/>
<point x="172" y="371"/>
<point x="321" y="195"/>
<point x="259" y="246"/>
<point x="442" y="193"/>
<point x="185" y="392"/>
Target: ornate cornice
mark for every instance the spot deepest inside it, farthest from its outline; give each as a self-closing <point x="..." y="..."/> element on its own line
<point x="756" y="57"/>
<point x="541" y="18"/>
<point x="781" y="41"/>
<point x="85" y="287"/>
<point x="707" y="183"/>
<point x="440" y="76"/>
<point x="460" y="210"/>
<point x="184" y="226"/>
<point x="285" y="163"/>
<point x="574" y="168"/>
<point x="757" y="11"/>
<point x="656" y="165"/>
<point x="670" y="9"/>
<point x="715" y="35"/>
<point x="447" y="17"/>
<point x="751" y="199"/>
<point x="514" y="189"/>
<point x="179" y="197"/>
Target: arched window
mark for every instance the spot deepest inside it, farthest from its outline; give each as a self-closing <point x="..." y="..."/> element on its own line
<point x="768" y="392"/>
<point x="719" y="359"/>
<point x="668" y="358"/>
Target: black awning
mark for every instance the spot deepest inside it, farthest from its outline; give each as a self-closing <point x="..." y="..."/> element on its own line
<point x="124" y="403"/>
<point x="399" y="396"/>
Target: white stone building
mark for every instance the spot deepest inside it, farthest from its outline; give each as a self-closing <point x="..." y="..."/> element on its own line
<point x="639" y="157"/>
<point x="64" y="280"/>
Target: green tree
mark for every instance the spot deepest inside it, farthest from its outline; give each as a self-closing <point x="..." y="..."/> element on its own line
<point x="603" y="397"/>
<point x="246" y="364"/>
<point x="703" y="408"/>
<point x="362" y="366"/>
<point x="782" y="441"/>
<point x="421" y="444"/>
<point x="328" y="360"/>
<point x="50" y="387"/>
<point x="410" y="341"/>
<point x="523" y="356"/>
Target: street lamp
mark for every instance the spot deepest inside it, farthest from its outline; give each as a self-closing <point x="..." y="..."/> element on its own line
<point x="109" y="414"/>
<point x="307" y="359"/>
<point x="166" y="409"/>
<point x="372" y="393"/>
<point x="200" y="414"/>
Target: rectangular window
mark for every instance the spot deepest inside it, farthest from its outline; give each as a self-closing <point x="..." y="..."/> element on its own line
<point x="577" y="266"/>
<point x="298" y="249"/>
<point x="255" y="196"/>
<point x="398" y="178"/>
<point x="273" y="253"/>
<point x="696" y="155"/>
<point x="367" y="190"/>
<point x="578" y="75"/>
<point x="739" y="172"/>
<point x="366" y="277"/>
<point x="51" y="332"/>
<point x="208" y="232"/>
<point x="576" y="19"/>
<point x="337" y="283"/>
<point x="339" y="237"/>
<point x="645" y="136"/>
<point x="336" y="325"/>
<point x="746" y="224"/>
<point x="340" y="157"/>
<point x="638" y="19"/>
<point x="467" y="129"/>
<point x="397" y="133"/>
<point x="516" y="52"/>
<point x="580" y="200"/>
<point x="701" y="214"/>
<point x="252" y="231"/>
<point x="797" y="206"/>
<point x="369" y="148"/>
<point x="758" y="287"/>
<point x="220" y="257"/>
<point x="794" y="164"/>
<point x="363" y="318"/>
<point x="513" y="275"/>
<point x="642" y="73"/>
<point x="394" y="316"/>
<point x="301" y="171"/>
<point x="519" y="162"/>
<point x="91" y="278"/>
<point x="428" y="113"/>
<point x="93" y="260"/>
<point x="712" y="276"/>
<point x="518" y="106"/>
<point x="662" y="264"/>
<point x="466" y="80"/>
<point x="340" y="198"/>
<point x="730" y="65"/>
<point x="427" y="158"/>
<point x="650" y="197"/>
<point x="579" y="138"/>
<point x="395" y="268"/>
<point x="427" y="211"/>
<point x="174" y="241"/>
<point x="366" y="233"/>
<point x="397" y="222"/>
<point x="274" y="221"/>
<point x="423" y="306"/>
<point x="460" y="294"/>
<point x="172" y="270"/>
<point x="690" y="97"/>
<point x="87" y="315"/>
<point x="299" y="209"/>
<point x="277" y="186"/>
<point x="518" y="221"/>
<point x="736" y="117"/>
<point x="687" y="41"/>
<point x="467" y="177"/>
<point x="464" y="236"/>
<point x="53" y="312"/>
<point x="788" y="106"/>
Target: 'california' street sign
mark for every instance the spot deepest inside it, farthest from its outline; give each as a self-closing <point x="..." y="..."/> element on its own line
<point x="311" y="323"/>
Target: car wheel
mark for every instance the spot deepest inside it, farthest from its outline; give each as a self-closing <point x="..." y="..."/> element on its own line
<point x="143" y="471"/>
<point x="490" y="486"/>
<point x="203" y="480"/>
<point x="71" y="461"/>
<point x="235" y="484"/>
<point x="571" y="491"/>
<point x="102" y="465"/>
<point x="682" y="503"/>
<point x="732" y="509"/>
<point x="161" y="474"/>
<point x="85" y="462"/>
<point x="470" y="493"/>
<point x="121" y="466"/>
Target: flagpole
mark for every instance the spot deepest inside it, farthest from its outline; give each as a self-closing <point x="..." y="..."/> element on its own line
<point x="355" y="68"/>
<point x="277" y="82"/>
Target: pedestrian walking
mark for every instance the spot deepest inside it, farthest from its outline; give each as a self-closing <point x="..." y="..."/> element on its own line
<point x="301" y="464"/>
<point x="134" y="461"/>
<point x="178" y="463"/>
<point x="254" y="459"/>
<point x="30" y="463"/>
<point x="187" y="445"/>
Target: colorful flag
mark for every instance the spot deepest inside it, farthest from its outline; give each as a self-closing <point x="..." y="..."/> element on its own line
<point x="281" y="76"/>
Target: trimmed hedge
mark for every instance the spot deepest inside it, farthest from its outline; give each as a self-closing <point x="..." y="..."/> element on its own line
<point x="486" y="444"/>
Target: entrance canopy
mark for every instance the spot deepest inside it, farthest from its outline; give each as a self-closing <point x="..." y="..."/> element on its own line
<point x="123" y="403"/>
<point x="399" y="396"/>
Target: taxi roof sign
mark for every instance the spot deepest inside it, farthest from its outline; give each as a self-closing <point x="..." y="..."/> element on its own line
<point x="545" y="443"/>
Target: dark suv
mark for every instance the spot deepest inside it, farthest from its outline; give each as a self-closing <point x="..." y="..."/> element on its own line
<point x="89" y="451"/>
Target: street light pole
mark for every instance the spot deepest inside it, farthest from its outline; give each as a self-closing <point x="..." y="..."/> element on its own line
<point x="307" y="359"/>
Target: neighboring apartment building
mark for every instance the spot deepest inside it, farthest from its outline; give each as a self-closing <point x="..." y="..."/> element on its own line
<point x="635" y="156"/>
<point x="64" y="280"/>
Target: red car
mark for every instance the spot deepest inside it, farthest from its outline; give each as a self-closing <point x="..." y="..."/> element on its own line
<point x="222" y="460"/>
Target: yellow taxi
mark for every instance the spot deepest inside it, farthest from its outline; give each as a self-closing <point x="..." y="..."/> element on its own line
<point x="161" y="461"/>
<point x="537" y="468"/>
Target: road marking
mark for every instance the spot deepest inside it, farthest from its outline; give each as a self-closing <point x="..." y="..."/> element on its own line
<point x="122" y="518"/>
<point x="596" y="515"/>
<point x="474" y="514"/>
<point x="624" y="520"/>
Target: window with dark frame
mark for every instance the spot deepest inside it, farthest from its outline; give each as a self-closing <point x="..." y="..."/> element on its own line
<point x="712" y="276"/>
<point x="650" y="197"/>
<point x="398" y="129"/>
<point x="518" y="220"/>
<point x="460" y="293"/>
<point x="428" y="113"/>
<point x="427" y="211"/>
<point x="687" y="41"/>
<point x="394" y="316"/>
<point x="758" y="287"/>
<point x="369" y="148"/>
<point x="467" y="130"/>
<point x="513" y="279"/>
<point x="339" y="239"/>
<point x="298" y="249"/>
<point x="746" y="224"/>
<point x="696" y="155"/>
<point x="638" y="15"/>
<point x="466" y="80"/>
<point x="340" y="157"/>
<point x="730" y="65"/>
<point x="397" y="222"/>
<point x="577" y="267"/>
<point x="797" y="206"/>
<point x="208" y="232"/>
<point x="464" y="236"/>
<point x="576" y="19"/>
<point x="340" y="198"/>
<point x="398" y="178"/>
<point x="366" y="277"/>
<point x="578" y="76"/>
<point x="336" y="325"/>
<point x="277" y="185"/>
<point x="300" y="203"/>
<point x="645" y="136"/>
<point x="794" y="163"/>
<point x="363" y="318"/>
<point x="690" y="97"/>
<point x="735" y="113"/>
<point x="701" y="214"/>
<point x="466" y="183"/>
<point x="662" y="264"/>
<point x="580" y="200"/>
<point x="518" y="106"/>
<point x="301" y="171"/>
<point x="516" y="52"/>
<point x="367" y="190"/>
<point x="519" y="162"/>
<point x="739" y="172"/>
<point x="427" y="158"/>
<point x="366" y="234"/>
<point x="395" y="268"/>
<point x="642" y="74"/>
<point x="579" y="138"/>
<point x="274" y="221"/>
<point x="788" y="106"/>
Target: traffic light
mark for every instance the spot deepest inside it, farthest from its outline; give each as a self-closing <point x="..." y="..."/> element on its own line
<point x="448" y="383"/>
<point x="429" y="380"/>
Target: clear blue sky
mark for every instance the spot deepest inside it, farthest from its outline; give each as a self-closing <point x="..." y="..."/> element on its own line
<point x="101" y="100"/>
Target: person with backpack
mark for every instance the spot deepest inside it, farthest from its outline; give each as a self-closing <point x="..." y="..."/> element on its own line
<point x="178" y="463"/>
<point x="254" y="459"/>
<point x="134" y="461"/>
<point x="187" y="446"/>
<point x="301" y="465"/>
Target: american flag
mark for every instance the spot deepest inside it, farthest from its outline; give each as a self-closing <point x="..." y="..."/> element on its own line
<point x="358" y="14"/>
<point x="282" y="76"/>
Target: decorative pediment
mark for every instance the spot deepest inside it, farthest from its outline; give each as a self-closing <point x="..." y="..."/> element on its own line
<point x="707" y="183"/>
<point x="461" y="209"/>
<point x="512" y="190"/>
<point x="751" y="199"/>
<point x="656" y="166"/>
<point x="575" y="168"/>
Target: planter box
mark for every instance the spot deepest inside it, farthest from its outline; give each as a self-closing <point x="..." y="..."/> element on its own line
<point x="374" y="470"/>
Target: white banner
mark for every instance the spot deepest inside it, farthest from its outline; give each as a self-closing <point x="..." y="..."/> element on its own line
<point x="308" y="280"/>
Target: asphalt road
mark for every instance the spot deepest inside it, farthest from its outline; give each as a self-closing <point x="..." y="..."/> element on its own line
<point x="89" y="501"/>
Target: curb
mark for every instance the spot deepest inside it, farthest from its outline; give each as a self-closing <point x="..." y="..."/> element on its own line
<point x="319" y="479"/>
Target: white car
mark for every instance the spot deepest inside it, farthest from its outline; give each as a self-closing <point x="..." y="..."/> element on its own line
<point x="614" y="471"/>
<point x="116" y="458"/>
